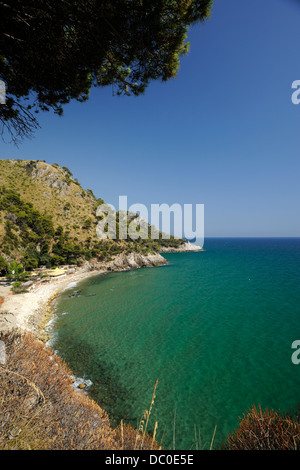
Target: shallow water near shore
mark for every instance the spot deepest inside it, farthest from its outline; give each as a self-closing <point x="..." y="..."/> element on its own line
<point x="215" y="328"/>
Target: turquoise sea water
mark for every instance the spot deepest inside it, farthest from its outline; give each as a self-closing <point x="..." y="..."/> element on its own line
<point x="215" y="328"/>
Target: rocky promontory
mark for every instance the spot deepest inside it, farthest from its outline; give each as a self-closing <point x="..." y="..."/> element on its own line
<point x="186" y="247"/>
<point x="129" y="261"/>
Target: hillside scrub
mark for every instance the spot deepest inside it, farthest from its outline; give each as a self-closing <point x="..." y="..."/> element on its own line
<point x="40" y="408"/>
<point x="265" y="430"/>
<point x="47" y="219"/>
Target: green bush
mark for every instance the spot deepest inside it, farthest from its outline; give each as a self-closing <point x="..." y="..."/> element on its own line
<point x="3" y="266"/>
<point x="16" y="272"/>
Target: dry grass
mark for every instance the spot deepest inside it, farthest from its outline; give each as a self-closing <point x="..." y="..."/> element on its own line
<point x="265" y="430"/>
<point x="40" y="409"/>
<point x="143" y="426"/>
<point x="138" y="439"/>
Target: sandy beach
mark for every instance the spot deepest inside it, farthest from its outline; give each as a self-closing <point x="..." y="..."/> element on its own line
<point x="29" y="311"/>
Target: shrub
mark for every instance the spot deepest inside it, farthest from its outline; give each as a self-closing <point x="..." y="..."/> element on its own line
<point x="16" y="272"/>
<point x="3" y="266"/>
<point x="87" y="224"/>
<point x="30" y="263"/>
<point x="40" y="409"/>
<point x="265" y="430"/>
<point x="17" y="284"/>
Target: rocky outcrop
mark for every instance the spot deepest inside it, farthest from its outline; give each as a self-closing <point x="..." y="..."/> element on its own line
<point x="186" y="247"/>
<point x="48" y="175"/>
<point x="135" y="260"/>
<point x="131" y="261"/>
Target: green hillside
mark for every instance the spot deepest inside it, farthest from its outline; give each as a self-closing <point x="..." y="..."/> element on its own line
<point x="48" y="219"/>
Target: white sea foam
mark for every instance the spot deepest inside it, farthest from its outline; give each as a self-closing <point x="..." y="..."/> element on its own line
<point x="70" y="286"/>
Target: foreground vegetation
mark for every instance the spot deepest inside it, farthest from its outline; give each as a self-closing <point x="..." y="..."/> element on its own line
<point x="75" y="46"/>
<point x="265" y="430"/>
<point x="41" y="409"/>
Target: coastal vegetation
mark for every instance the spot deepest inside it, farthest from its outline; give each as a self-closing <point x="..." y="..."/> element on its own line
<point x="48" y="219"/>
<point x="52" y="53"/>
<point x="40" y="408"/>
<point x="265" y="430"/>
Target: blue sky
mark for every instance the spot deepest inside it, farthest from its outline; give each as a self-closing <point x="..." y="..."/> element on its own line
<point x="224" y="133"/>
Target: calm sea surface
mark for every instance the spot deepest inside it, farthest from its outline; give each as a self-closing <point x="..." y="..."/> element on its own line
<point x="215" y="328"/>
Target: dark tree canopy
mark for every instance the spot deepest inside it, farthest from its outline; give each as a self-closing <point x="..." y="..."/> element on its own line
<point x="53" y="51"/>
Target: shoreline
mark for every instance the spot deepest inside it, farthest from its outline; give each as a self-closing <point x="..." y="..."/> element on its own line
<point x="34" y="311"/>
<point x="31" y="311"/>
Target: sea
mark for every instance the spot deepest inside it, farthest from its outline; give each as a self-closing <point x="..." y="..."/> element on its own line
<point x="214" y="328"/>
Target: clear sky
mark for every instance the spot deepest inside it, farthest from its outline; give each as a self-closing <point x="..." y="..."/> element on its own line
<point x="224" y="133"/>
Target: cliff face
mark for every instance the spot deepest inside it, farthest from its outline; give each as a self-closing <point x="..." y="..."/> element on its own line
<point x="131" y="261"/>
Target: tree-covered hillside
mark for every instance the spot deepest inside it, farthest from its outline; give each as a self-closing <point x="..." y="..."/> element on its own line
<point x="48" y="219"/>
